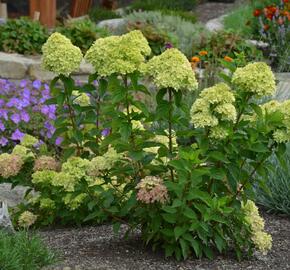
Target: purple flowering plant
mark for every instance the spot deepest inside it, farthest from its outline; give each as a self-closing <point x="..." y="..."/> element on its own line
<point x="23" y="110"/>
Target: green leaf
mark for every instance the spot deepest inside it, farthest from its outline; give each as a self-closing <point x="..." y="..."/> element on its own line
<point x="170" y="218"/>
<point x="208" y="252"/>
<point x="160" y="95"/>
<point x="219" y="242"/>
<point x="68" y="152"/>
<point x="196" y="248"/>
<point x="189" y="213"/>
<point x="116" y="227"/>
<point x="169" y="209"/>
<point x="184" y="248"/>
<point x="178" y="231"/>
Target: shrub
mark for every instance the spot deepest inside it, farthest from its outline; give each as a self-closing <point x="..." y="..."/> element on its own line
<point x="82" y="33"/>
<point x="187" y="198"/>
<point x="22" y="36"/>
<point x="276" y="198"/>
<point x="21" y="251"/>
<point x="98" y="14"/>
<point x="182" y="34"/>
<point x="148" y="5"/>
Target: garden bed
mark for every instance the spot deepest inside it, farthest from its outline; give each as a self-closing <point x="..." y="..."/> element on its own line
<point x="92" y="248"/>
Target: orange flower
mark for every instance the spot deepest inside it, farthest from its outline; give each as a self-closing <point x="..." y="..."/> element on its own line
<point x="195" y="59"/>
<point x="257" y="12"/>
<point x="228" y="59"/>
<point x="202" y="53"/>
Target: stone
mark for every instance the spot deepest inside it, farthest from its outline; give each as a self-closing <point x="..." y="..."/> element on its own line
<point x="12" y="196"/>
<point x="215" y="24"/>
<point x="113" y="24"/>
<point x="13" y="66"/>
<point x="5" y="222"/>
<point x="85" y="69"/>
<point x="36" y="72"/>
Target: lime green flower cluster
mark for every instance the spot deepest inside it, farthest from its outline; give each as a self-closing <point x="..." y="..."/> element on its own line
<point x="261" y="239"/>
<point x="43" y="177"/>
<point x="171" y="69"/>
<point x="162" y="139"/>
<point x="28" y="141"/>
<point x="81" y="98"/>
<point x="26" y="219"/>
<point x="74" y="202"/>
<point x="282" y="134"/>
<point x="255" y="78"/>
<point x="10" y="165"/>
<point x="118" y="54"/>
<point x="46" y="203"/>
<point x="60" y="55"/>
<point x="104" y="162"/>
<point x="23" y="152"/>
<point x="214" y="105"/>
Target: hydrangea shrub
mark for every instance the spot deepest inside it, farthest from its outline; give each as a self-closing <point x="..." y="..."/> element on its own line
<point x="126" y="163"/>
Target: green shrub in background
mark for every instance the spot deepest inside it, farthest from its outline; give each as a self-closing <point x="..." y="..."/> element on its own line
<point x="98" y="14"/>
<point x="182" y="34"/>
<point x="277" y="197"/>
<point x="22" y="36"/>
<point x="82" y="33"/>
<point x="147" y="5"/>
<point x="21" y="251"/>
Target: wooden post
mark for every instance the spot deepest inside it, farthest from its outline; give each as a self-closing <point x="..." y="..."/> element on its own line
<point x="47" y="10"/>
<point x="80" y="7"/>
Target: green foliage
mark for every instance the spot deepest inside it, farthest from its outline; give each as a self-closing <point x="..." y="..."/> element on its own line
<point x="239" y="21"/>
<point x="98" y="14"/>
<point x="22" y="36"/>
<point x="167" y="28"/>
<point x="82" y="33"/>
<point x="148" y="5"/>
<point x="21" y="251"/>
<point x="276" y="196"/>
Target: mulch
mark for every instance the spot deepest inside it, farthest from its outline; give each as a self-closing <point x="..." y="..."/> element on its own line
<point x="96" y="248"/>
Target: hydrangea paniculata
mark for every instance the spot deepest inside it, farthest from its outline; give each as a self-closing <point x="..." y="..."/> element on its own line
<point x="261" y="239"/>
<point x="10" y="165"/>
<point x="171" y="69"/>
<point x="118" y="54"/>
<point x="214" y="106"/>
<point x="60" y="55"/>
<point x="256" y="78"/>
<point x="151" y="189"/>
<point x="26" y="219"/>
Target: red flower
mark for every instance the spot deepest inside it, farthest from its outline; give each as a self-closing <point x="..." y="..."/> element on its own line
<point x="266" y="27"/>
<point x="257" y="12"/>
<point x="285" y="1"/>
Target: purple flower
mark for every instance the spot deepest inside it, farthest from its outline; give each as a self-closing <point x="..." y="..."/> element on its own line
<point x="17" y="135"/>
<point x="38" y="144"/>
<point x="105" y="132"/>
<point x="23" y="83"/>
<point x="58" y="141"/>
<point x="15" y="117"/>
<point x="168" y="45"/>
<point x="37" y="84"/>
<point x="3" y="141"/>
<point x="4" y="114"/>
<point x="25" y="116"/>
<point x="2" y="126"/>
<point x="26" y="93"/>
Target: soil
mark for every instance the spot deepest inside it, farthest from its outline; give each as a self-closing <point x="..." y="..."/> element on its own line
<point x="97" y="248"/>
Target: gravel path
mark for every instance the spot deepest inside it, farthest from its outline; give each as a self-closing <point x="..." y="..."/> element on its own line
<point x="211" y="10"/>
<point x="97" y="248"/>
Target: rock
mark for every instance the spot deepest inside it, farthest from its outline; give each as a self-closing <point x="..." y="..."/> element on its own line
<point x="2" y="21"/>
<point x="113" y="24"/>
<point x="5" y="222"/>
<point x="13" y="66"/>
<point x="12" y="196"/>
<point x="35" y="72"/>
<point x="215" y="24"/>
